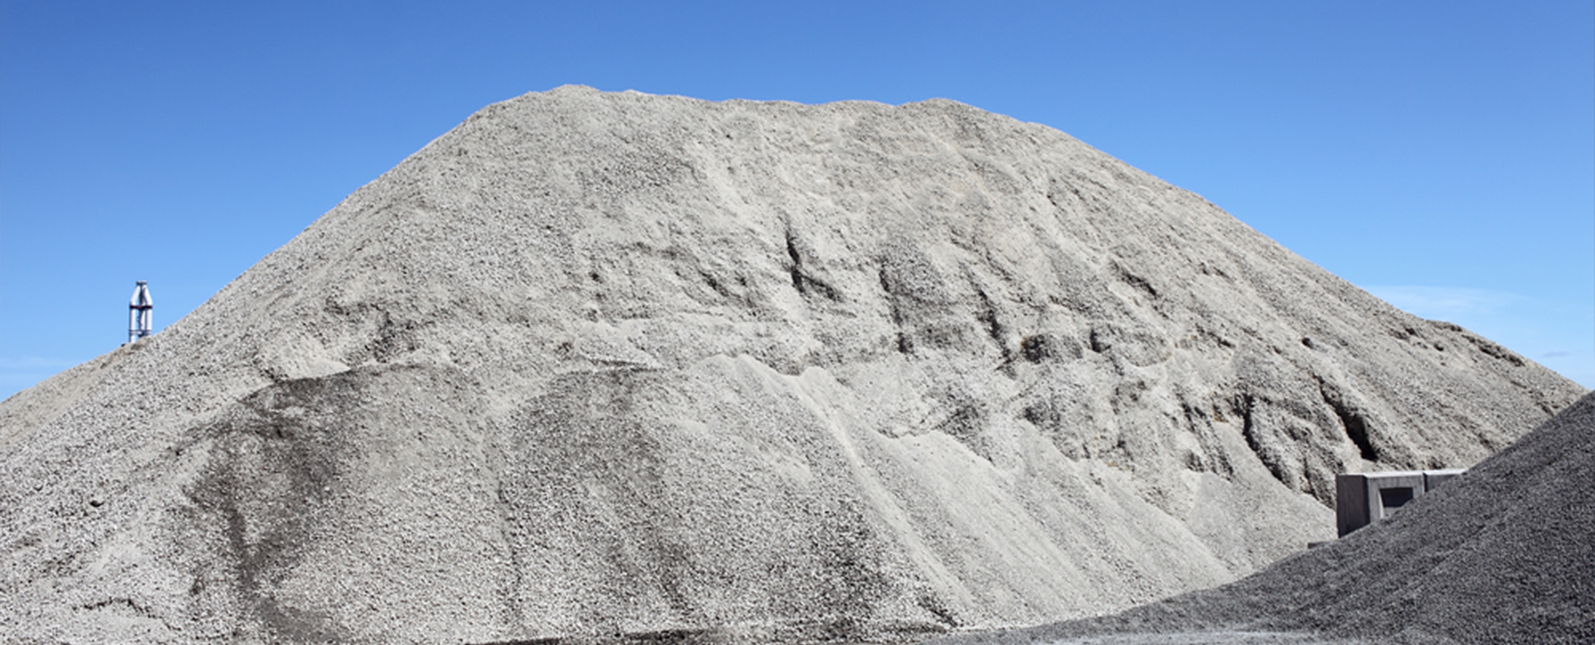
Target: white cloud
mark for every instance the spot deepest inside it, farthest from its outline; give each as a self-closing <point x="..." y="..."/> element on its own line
<point x="1443" y="303"/>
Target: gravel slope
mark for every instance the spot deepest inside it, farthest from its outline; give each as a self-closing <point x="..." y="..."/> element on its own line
<point x="1505" y="554"/>
<point x="614" y="363"/>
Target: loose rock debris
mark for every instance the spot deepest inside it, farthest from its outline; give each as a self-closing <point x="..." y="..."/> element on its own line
<point x="594" y="364"/>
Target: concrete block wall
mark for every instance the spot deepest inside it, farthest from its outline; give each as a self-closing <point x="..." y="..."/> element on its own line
<point x="1364" y="498"/>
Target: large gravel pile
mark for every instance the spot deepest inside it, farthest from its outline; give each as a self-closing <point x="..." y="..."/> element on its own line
<point x="1505" y="554"/>
<point x="615" y="363"/>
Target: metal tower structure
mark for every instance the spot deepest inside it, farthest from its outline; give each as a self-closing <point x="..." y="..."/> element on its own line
<point x="138" y="312"/>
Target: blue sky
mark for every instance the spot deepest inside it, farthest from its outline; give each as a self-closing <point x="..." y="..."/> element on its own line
<point x="1438" y="154"/>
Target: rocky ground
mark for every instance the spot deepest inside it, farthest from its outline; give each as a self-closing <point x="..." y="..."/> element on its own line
<point x="1505" y="554"/>
<point x="595" y="364"/>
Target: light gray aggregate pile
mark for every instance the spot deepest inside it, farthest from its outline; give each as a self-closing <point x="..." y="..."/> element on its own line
<point x="1503" y="554"/>
<point x="595" y="364"/>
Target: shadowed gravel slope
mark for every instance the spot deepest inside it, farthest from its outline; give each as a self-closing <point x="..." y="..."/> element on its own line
<point x="1505" y="554"/>
<point x="614" y="363"/>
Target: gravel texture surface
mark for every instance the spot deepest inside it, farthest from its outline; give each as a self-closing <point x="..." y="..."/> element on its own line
<point x="1504" y="554"/>
<point x="595" y="364"/>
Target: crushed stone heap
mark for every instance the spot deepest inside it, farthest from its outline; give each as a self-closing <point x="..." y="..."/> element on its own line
<point x="599" y="363"/>
<point x="1508" y="556"/>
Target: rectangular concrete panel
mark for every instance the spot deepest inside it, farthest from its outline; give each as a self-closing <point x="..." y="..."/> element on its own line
<point x="1351" y="502"/>
<point x="1433" y="479"/>
<point x="1397" y="487"/>
<point x="1364" y="498"/>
